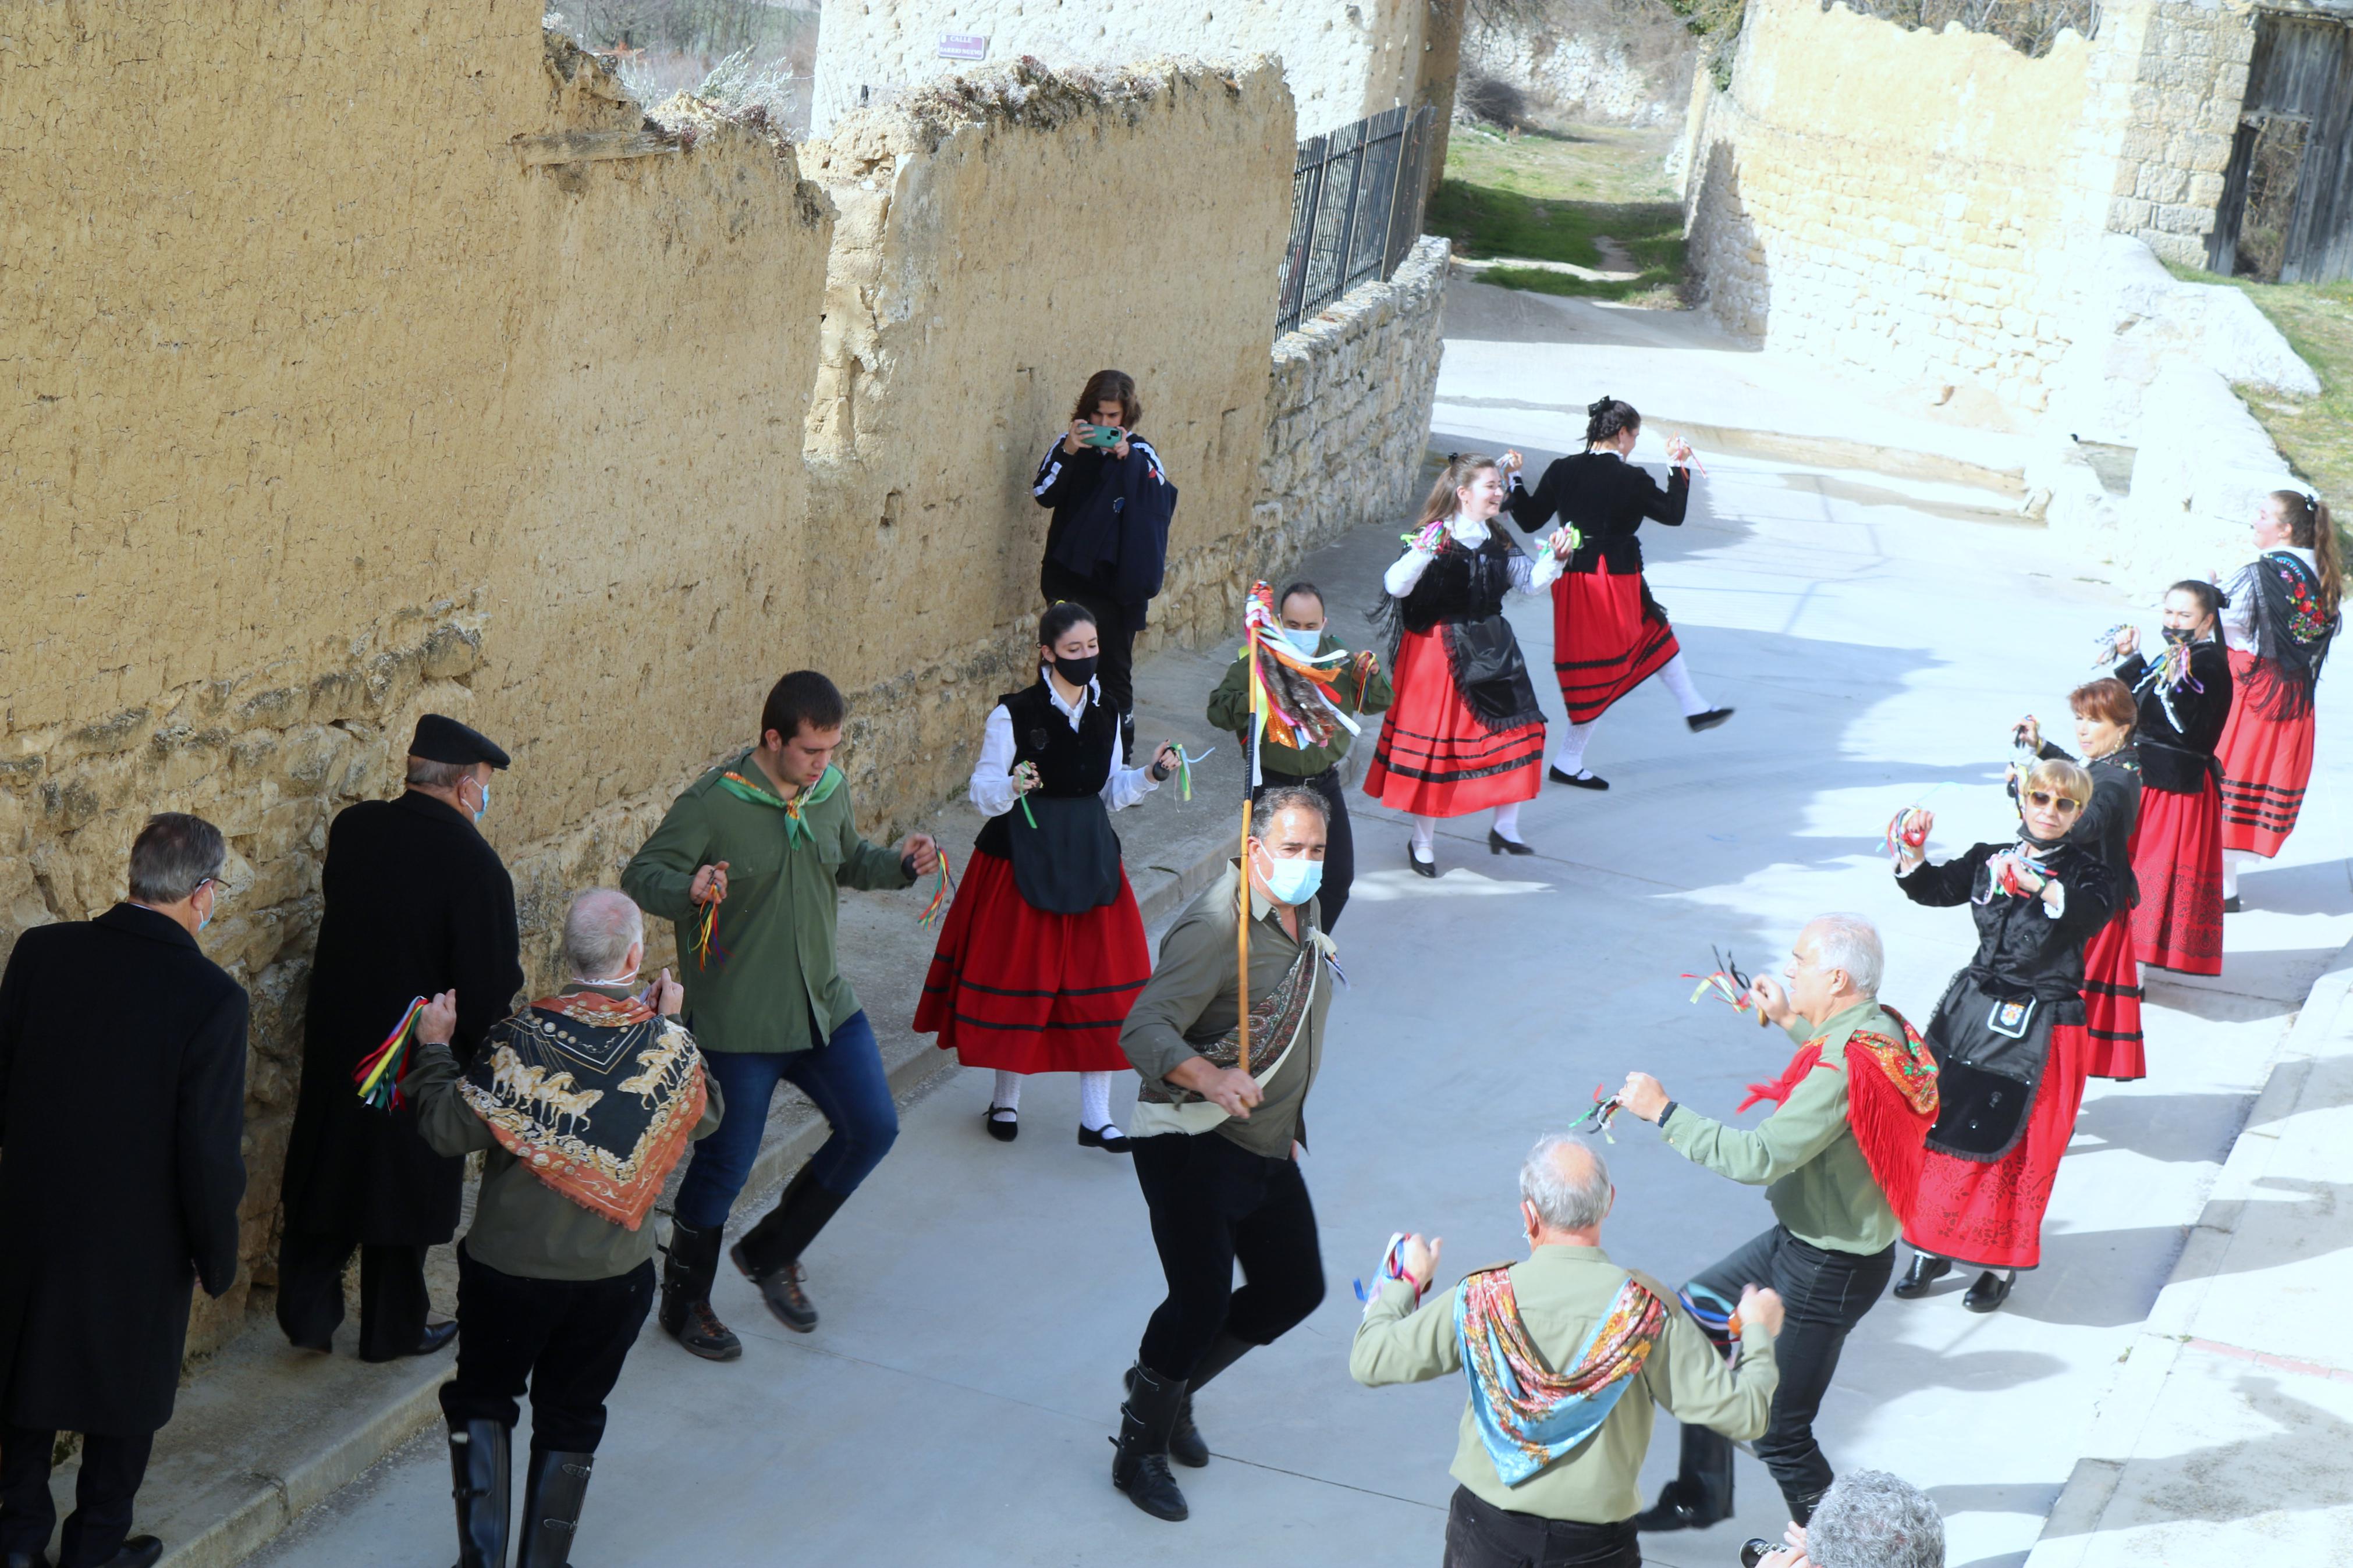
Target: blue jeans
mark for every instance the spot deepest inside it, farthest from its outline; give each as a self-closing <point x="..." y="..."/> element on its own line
<point x="844" y="1077"/>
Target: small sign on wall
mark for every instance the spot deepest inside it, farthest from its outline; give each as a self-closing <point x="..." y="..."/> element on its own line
<point x="963" y="46"/>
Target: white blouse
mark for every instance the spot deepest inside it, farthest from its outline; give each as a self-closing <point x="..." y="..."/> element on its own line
<point x="2237" y="617"/>
<point x="992" y="776"/>
<point x="1527" y="576"/>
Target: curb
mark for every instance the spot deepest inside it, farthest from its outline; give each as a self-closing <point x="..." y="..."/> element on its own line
<point x="2122" y="1410"/>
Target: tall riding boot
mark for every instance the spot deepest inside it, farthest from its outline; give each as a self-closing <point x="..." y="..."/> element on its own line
<point x="1700" y="1493"/>
<point x="478" y="1477"/>
<point x="1185" y="1444"/>
<point x="1140" y="1468"/>
<point x="553" y="1490"/>
<point x="687" y="1269"/>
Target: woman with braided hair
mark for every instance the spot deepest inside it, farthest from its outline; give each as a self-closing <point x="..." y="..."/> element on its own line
<point x="2282" y="615"/>
<point x="1609" y="633"/>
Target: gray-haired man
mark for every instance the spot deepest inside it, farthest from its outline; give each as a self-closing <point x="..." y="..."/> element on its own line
<point x="1832" y="1244"/>
<point x="1551" y="1453"/>
<point x="1869" y="1519"/>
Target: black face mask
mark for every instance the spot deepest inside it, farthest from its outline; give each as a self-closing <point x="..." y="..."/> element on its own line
<point x="2176" y="635"/>
<point x="1077" y="671"/>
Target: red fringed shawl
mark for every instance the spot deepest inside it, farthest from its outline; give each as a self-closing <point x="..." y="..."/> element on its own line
<point x="1890" y="1111"/>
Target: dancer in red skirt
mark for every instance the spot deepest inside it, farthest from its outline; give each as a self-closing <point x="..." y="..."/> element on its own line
<point x="2105" y="716"/>
<point x="1043" y="951"/>
<point x="2008" y="1038"/>
<point x="2278" y="624"/>
<point x="2177" y="844"/>
<point x="1465" y="733"/>
<point x="1609" y="636"/>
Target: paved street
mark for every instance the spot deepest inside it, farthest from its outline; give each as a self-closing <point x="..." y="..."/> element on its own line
<point x="1878" y="638"/>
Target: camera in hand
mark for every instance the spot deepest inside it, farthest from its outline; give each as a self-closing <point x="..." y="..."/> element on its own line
<point x="1755" y="1550"/>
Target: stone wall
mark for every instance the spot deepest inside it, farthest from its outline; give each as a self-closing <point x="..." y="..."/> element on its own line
<point x="1343" y="58"/>
<point x="1615" y="62"/>
<point x="2170" y="88"/>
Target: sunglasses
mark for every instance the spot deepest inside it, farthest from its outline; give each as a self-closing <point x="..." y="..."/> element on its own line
<point x="2044" y="797"/>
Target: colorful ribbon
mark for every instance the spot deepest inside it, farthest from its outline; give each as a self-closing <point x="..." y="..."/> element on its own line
<point x="1391" y="1268"/>
<point x="381" y="1070"/>
<point x="706" y="934"/>
<point x="1906" y="830"/>
<point x="939" y="894"/>
<point x="1726" y="984"/>
<point x="2103" y="646"/>
<point x="1605" y="1106"/>
<point x="1185" y="761"/>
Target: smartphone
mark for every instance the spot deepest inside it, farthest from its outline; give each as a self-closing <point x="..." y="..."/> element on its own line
<point x="1100" y="436"/>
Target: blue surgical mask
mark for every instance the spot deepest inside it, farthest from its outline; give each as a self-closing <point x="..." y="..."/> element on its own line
<point x="1292" y="881"/>
<point x="1303" y="641"/>
<point x="486" y="802"/>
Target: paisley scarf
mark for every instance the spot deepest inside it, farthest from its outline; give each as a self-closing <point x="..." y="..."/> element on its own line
<point x="1891" y="1103"/>
<point x="1528" y="1416"/>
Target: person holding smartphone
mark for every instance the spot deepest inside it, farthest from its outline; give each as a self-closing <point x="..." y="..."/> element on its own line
<point x="1108" y="543"/>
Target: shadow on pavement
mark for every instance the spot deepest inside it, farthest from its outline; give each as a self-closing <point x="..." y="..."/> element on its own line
<point x="2180" y="1128"/>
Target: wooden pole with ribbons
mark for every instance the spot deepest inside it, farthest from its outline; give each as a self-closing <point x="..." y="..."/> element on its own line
<point x="1249" y="773"/>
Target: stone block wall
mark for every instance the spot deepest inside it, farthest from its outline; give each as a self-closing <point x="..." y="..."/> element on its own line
<point x="2179" y="79"/>
<point x="1618" y="62"/>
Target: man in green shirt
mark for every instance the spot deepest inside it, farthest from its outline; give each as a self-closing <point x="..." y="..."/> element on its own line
<point x="1358" y="685"/>
<point x="1613" y="1345"/>
<point x="1832" y="1246"/>
<point x="748" y="864"/>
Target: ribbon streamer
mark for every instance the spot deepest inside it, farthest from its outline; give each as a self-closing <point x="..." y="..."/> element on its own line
<point x="1605" y="1106"/>
<point x="1905" y="830"/>
<point x="2103" y="646"/>
<point x="1027" y="772"/>
<point x="381" y="1070"/>
<point x="941" y="894"/>
<point x="1391" y="1269"/>
<point x="706" y="934"/>
<point x="1726" y="983"/>
<point x="1695" y="457"/>
<point x="1185" y="761"/>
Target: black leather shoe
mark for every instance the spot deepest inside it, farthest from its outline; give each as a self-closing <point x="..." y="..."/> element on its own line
<point x="690" y="1265"/>
<point x="1926" y="1270"/>
<point x="1140" y="1467"/>
<point x="139" y="1552"/>
<point x="1988" y="1291"/>
<point x="1109" y="1140"/>
<point x="25" y="1560"/>
<point x="1709" y="719"/>
<point x="1672" y="1512"/>
<point x="1421" y="867"/>
<point x="437" y="1336"/>
<point x="1577" y="780"/>
<point x="780" y="1287"/>
<point x="2230" y="906"/>
<point x="1499" y="845"/>
<point x="1004" y="1122"/>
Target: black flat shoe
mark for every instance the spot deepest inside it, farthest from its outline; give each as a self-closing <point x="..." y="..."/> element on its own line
<point x="1989" y="1291"/>
<point x="139" y="1552"/>
<point x="1004" y="1131"/>
<point x="1709" y="719"/>
<point x="1109" y="1140"/>
<point x="437" y="1336"/>
<point x="2230" y="906"/>
<point x="1926" y="1270"/>
<point x="1577" y="780"/>
<point x="1672" y="1512"/>
<point x="1420" y="868"/>
<point x="1499" y="845"/>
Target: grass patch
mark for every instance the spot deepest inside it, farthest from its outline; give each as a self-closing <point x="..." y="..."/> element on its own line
<point x="1557" y="195"/>
<point x="2313" y="434"/>
<point x="1659" y="289"/>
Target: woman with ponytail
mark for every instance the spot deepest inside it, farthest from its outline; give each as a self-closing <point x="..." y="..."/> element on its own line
<point x="2176" y="844"/>
<point x="2282" y="616"/>
<point x="1464" y="732"/>
<point x="1609" y="633"/>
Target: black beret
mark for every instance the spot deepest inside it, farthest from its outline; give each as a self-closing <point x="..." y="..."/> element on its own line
<point x="443" y="739"/>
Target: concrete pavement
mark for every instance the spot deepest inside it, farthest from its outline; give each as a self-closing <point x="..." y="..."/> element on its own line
<point x="1878" y="636"/>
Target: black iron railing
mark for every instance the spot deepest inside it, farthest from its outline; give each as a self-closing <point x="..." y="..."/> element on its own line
<point x="1355" y="208"/>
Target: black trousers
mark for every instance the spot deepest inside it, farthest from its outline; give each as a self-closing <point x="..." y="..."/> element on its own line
<point x="112" y="1469"/>
<point x="1115" y="625"/>
<point x="393" y="1299"/>
<point x="1214" y="1204"/>
<point x="1339" y="844"/>
<point x="1481" y="1535"/>
<point x="566" y="1338"/>
<point x="1825" y="1293"/>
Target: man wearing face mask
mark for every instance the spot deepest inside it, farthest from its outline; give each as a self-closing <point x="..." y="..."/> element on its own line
<point x="1215" y="1146"/>
<point x="1360" y="686"/>
<point x="415" y="903"/>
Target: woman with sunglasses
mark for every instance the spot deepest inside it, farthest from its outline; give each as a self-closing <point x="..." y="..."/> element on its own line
<point x="2105" y="716"/>
<point x="2177" y="844"/>
<point x="2007" y="1037"/>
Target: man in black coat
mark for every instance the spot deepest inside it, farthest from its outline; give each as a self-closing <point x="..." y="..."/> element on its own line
<point x="417" y="903"/>
<point x="122" y="1113"/>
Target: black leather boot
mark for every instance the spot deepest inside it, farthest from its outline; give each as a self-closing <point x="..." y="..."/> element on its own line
<point x="1185" y="1444"/>
<point x="689" y="1265"/>
<point x="553" y="1490"/>
<point x="770" y="1253"/>
<point x="1700" y="1493"/>
<point x="1140" y="1468"/>
<point x="1926" y="1270"/>
<point x="478" y="1480"/>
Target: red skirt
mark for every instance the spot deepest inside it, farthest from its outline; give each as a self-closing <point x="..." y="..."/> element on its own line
<point x="1602" y="645"/>
<point x="1989" y="1214"/>
<point x="2176" y="856"/>
<point x="2266" y="763"/>
<point x="2112" y="1002"/>
<point x="1015" y="988"/>
<point x="1435" y="757"/>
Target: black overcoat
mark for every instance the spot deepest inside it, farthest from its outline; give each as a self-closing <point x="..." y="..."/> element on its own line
<point x="417" y="902"/>
<point x="122" y="1116"/>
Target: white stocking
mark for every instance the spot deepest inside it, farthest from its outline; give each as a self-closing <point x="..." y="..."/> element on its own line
<point x="1675" y="676"/>
<point x="2233" y="862"/>
<point x="1009" y="1091"/>
<point x="1425" y="839"/>
<point x="1094" y="1100"/>
<point x="1507" y="822"/>
<point x="1570" y="758"/>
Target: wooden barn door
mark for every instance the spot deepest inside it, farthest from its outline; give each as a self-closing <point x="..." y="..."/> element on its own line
<point x="2286" y="213"/>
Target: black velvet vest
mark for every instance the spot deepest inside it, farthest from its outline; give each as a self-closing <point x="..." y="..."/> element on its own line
<point x="1068" y="862"/>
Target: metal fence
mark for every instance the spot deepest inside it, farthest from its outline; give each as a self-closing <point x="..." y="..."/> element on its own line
<point x="1355" y="208"/>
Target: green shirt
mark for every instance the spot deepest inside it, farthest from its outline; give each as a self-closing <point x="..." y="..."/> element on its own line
<point x="1564" y="1292"/>
<point x="777" y="921"/>
<point x="1821" y="1187"/>
<point x="1230" y="712"/>
<point x="521" y="1226"/>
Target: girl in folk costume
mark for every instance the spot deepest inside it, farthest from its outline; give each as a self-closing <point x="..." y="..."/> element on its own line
<point x="2007" y="1037"/>
<point x="1465" y="733"/>
<point x="1043" y="951"/>
<point x="2105" y="716"/>
<point x="2279" y="621"/>
<point x="2177" y="844"/>
<point x="1609" y="635"/>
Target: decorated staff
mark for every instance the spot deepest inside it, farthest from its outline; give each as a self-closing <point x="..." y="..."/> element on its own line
<point x="1044" y="949"/>
<point x="415" y="903"/>
<point x="1214" y="1137"/>
<point x="1839" y="1159"/>
<point x="1567" y="1356"/>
